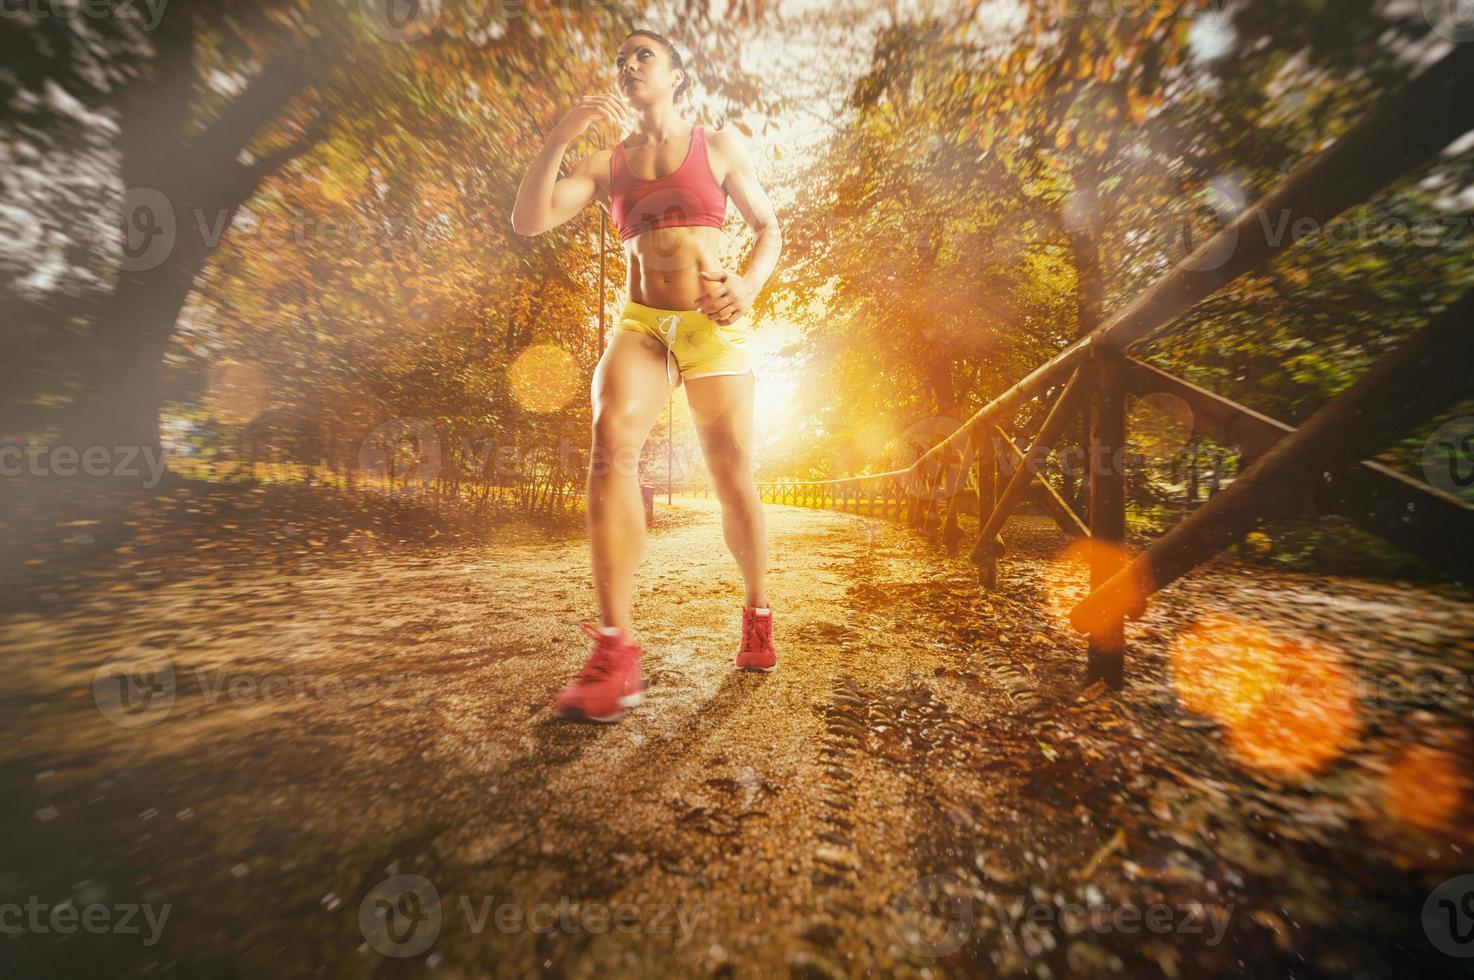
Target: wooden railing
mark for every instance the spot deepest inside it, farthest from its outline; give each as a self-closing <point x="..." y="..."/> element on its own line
<point x="1322" y="461"/>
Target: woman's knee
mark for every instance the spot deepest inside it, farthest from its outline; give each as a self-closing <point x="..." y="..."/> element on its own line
<point x="731" y="473"/>
<point x="618" y="424"/>
<point x="619" y="437"/>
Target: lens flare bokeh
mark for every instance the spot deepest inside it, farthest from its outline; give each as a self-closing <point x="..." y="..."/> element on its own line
<point x="1287" y="704"/>
<point x="543" y="378"/>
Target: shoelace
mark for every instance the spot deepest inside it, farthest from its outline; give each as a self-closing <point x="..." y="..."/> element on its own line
<point x="603" y="662"/>
<point x="752" y="632"/>
<point x="600" y="665"/>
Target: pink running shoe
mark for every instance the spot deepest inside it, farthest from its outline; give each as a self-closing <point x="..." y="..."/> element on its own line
<point x="758" y="652"/>
<point x="609" y="680"/>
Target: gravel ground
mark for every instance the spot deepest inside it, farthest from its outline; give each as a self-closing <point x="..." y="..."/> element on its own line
<point x="353" y="770"/>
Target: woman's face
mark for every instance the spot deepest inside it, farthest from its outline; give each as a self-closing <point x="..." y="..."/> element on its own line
<point x="643" y="71"/>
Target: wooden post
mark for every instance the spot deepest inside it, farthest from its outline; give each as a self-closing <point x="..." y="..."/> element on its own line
<point x="987" y="562"/>
<point x="951" y="532"/>
<point x="1107" y="444"/>
<point x="1416" y="381"/>
<point x="1054" y="425"/>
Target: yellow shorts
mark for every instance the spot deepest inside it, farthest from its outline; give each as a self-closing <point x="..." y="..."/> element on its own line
<point x="701" y="347"/>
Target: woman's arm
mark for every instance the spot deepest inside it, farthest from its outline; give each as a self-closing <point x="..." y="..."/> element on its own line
<point x="729" y="296"/>
<point x="544" y="201"/>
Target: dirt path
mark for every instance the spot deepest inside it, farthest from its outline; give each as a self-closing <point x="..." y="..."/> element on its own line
<point x="914" y="791"/>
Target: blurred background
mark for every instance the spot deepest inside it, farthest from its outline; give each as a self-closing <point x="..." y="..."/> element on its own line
<point x="283" y="389"/>
<point x="248" y="236"/>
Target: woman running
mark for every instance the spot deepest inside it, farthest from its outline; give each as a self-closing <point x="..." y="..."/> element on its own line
<point x="665" y="187"/>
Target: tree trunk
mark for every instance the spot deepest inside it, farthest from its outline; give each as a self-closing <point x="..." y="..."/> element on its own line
<point x="183" y="191"/>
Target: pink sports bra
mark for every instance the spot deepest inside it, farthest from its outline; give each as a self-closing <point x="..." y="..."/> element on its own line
<point x="689" y="195"/>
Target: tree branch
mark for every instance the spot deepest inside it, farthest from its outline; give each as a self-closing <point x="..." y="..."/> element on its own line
<point x="284" y="76"/>
<point x="256" y="172"/>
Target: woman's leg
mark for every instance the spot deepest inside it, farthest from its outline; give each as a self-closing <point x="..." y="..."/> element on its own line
<point x="721" y="407"/>
<point x="629" y="390"/>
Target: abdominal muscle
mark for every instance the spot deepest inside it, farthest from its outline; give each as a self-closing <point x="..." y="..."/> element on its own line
<point x="665" y="265"/>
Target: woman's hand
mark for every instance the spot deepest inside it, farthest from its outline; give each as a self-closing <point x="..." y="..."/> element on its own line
<point x="729" y="297"/>
<point x="590" y="109"/>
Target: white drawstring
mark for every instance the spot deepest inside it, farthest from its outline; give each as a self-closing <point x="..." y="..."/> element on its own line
<point x="668" y="335"/>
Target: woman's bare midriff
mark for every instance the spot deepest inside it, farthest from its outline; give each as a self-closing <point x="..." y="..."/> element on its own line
<point x="665" y="265"/>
